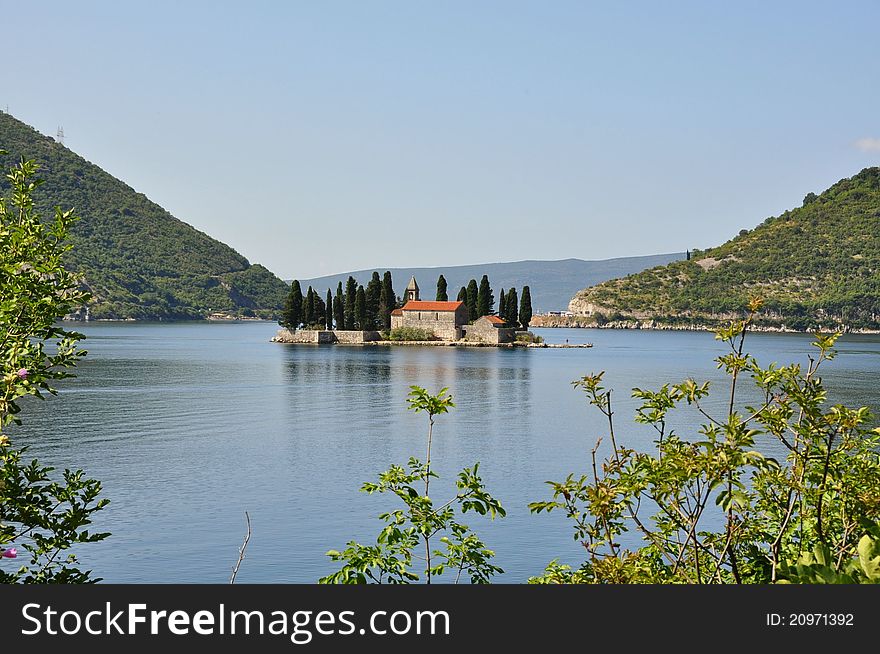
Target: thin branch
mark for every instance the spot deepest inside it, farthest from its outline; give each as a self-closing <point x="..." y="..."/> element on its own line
<point x="717" y="572"/>
<point x="651" y="536"/>
<point x="460" y="568"/>
<point x="241" y="549"/>
<point x="820" y="531"/>
<point x="605" y="524"/>
<point x="774" y="548"/>
<point x="427" y="537"/>
<point x="734" y="568"/>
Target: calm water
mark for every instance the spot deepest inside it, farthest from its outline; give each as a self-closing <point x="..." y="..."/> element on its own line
<point x="189" y="425"/>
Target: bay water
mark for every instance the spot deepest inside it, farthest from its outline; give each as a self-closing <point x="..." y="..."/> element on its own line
<point x="189" y="425"/>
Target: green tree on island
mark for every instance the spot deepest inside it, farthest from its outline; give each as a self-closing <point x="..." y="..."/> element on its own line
<point x="387" y="300"/>
<point x="339" y="308"/>
<point x="292" y="314"/>
<point x="360" y="308"/>
<point x="485" y="299"/>
<point x="373" y="299"/>
<point x="511" y="312"/>
<point x="502" y="307"/>
<point x="309" y="308"/>
<point x="320" y="311"/>
<point x="472" y="294"/>
<point x="42" y="514"/>
<point x="330" y="309"/>
<point x="442" y="296"/>
<point x="525" y="308"/>
<point x="350" y="296"/>
<point x="462" y="295"/>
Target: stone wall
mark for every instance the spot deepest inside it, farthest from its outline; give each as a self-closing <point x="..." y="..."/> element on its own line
<point x="485" y="332"/>
<point x="442" y="329"/>
<point x="349" y="336"/>
<point x="297" y="336"/>
<point x="325" y="336"/>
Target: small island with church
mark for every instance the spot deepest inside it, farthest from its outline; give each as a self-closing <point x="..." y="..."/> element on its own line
<point x="376" y="316"/>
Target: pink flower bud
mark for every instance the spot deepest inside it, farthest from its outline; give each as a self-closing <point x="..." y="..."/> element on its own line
<point x="11" y="553"/>
<point x="23" y="373"/>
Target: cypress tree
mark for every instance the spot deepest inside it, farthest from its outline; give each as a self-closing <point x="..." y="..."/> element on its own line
<point x="309" y="308"/>
<point x="291" y="317"/>
<point x="472" y="300"/>
<point x="387" y="301"/>
<point x="320" y="311"/>
<point x="525" y="308"/>
<point x="512" y="313"/>
<point x="360" y="308"/>
<point x="384" y="313"/>
<point x="462" y="295"/>
<point x="350" y="293"/>
<point x="441" y="289"/>
<point x="329" y="309"/>
<point x="485" y="299"/>
<point x="373" y="298"/>
<point x="502" y="307"/>
<point x="339" y="308"/>
<point x="337" y="312"/>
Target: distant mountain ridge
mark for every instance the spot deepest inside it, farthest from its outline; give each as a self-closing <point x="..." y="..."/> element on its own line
<point x="137" y="259"/>
<point x="552" y="283"/>
<point x="816" y="265"/>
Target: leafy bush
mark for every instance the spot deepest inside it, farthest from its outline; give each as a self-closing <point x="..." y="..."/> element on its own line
<point x="411" y="334"/>
<point x="821" y="566"/>
<point x="43" y="516"/>
<point x="391" y="559"/>
<point x="723" y="512"/>
<point x="528" y="337"/>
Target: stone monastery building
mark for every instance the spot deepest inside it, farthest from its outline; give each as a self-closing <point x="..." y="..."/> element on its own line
<point x="447" y="320"/>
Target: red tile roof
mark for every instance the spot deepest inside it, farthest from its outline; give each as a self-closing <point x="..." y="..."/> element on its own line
<point x="495" y="320"/>
<point x="397" y="312"/>
<point x="413" y="305"/>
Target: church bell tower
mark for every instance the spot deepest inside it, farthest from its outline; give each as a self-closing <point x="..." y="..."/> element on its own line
<point x="412" y="290"/>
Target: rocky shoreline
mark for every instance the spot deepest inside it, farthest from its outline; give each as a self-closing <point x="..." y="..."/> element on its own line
<point x="294" y="338"/>
<point x="476" y="344"/>
<point x="584" y="322"/>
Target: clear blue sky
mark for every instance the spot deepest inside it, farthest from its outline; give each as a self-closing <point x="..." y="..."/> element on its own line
<point x="327" y="136"/>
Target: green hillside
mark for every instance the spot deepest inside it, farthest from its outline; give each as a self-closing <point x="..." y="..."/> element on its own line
<point x="815" y="265"/>
<point x="137" y="259"/>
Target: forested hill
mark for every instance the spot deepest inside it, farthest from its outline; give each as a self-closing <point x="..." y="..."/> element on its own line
<point x="817" y="265"/>
<point x="137" y="259"/>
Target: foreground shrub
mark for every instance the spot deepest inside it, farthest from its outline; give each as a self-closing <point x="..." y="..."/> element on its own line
<point x="392" y="559"/>
<point x="721" y="511"/>
<point x="41" y="516"/>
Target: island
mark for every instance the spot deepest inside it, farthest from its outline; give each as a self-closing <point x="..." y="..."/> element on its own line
<point x="426" y="322"/>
